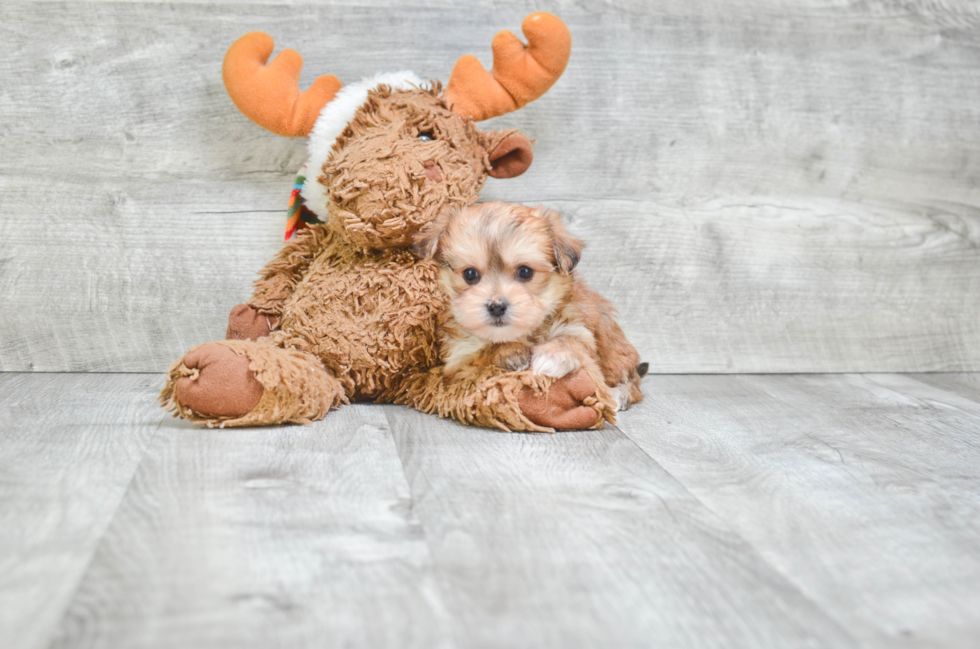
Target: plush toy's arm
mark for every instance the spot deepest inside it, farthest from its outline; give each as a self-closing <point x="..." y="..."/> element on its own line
<point x="281" y="275"/>
<point x="511" y="401"/>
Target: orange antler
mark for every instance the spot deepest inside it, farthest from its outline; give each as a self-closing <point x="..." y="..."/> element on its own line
<point x="269" y="95"/>
<point x="520" y="74"/>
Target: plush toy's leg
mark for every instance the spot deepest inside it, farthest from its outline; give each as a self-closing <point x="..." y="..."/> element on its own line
<point x="246" y="323"/>
<point x="245" y="383"/>
<point x="513" y="401"/>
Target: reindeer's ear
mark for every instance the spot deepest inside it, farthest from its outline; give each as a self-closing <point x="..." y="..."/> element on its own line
<point x="427" y="240"/>
<point x="568" y="249"/>
<point x="510" y="156"/>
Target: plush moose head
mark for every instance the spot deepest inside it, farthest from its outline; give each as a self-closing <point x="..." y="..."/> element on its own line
<point x="387" y="154"/>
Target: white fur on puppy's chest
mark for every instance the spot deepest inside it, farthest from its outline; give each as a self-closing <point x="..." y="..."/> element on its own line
<point x="555" y="364"/>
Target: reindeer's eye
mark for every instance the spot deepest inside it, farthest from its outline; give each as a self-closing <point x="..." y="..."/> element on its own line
<point x="525" y="273"/>
<point x="427" y="136"/>
<point x="471" y="276"/>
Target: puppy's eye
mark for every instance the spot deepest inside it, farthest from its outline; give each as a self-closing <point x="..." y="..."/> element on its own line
<point x="525" y="273"/>
<point x="471" y="276"/>
<point x="427" y="136"/>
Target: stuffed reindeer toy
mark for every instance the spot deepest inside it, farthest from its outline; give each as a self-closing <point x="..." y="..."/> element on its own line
<point x="347" y="311"/>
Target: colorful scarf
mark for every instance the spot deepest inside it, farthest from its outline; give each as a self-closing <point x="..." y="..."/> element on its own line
<point x="297" y="215"/>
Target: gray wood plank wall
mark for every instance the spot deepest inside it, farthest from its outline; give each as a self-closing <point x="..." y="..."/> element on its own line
<point x="764" y="186"/>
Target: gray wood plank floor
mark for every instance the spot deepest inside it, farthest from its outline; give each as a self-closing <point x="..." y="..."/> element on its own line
<point x="723" y="511"/>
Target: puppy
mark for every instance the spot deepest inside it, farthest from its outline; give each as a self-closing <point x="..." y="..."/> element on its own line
<point x="516" y="302"/>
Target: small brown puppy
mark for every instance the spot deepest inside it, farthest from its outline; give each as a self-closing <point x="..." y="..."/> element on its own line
<point x="516" y="301"/>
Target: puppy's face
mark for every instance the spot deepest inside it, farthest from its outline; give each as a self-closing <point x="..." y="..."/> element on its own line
<point x="505" y="267"/>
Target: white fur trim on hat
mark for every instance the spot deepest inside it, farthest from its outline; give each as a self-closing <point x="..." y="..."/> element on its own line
<point x="333" y="120"/>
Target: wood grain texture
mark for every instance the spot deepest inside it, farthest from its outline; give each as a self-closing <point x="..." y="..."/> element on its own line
<point x="783" y="511"/>
<point x="118" y="305"/>
<point x="815" y="285"/>
<point x="864" y="491"/>
<point x="764" y="186"/>
<point x="581" y="540"/>
<point x="287" y="537"/>
<point x="69" y="446"/>
<point x="953" y="11"/>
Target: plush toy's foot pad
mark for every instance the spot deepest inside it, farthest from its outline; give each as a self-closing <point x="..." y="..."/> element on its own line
<point x="567" y="405"/>
<point x="219" y="383"/>
<point x="250" y="383"/>
<point x="245" y="323"/>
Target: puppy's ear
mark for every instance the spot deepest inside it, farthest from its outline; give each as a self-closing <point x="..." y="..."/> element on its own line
<point x="568" y="249"/>
<point x="427" y="240"/>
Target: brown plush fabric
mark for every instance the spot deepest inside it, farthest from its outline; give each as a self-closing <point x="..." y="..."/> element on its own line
<point x="279" y="278"/>
<point x="378" y="178"/>
<point x="216" y="380"/>
<point x="511" y="157"/>
<point x="292" y="386"/>
<point x="511" y="401"/>
<point x="370" y="316"/>
<point x="246" y="323"/>
<point x="570" y="403"/>
<point x="357" y="310"/>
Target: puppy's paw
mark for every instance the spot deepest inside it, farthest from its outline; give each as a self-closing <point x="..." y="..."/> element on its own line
<point x="555" y="363"/>
<point x="515" y="360"/>
<point x="623" y="397"/>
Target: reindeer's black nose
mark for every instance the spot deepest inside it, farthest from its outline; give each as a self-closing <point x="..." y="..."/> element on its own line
<point x="497" y="309"/>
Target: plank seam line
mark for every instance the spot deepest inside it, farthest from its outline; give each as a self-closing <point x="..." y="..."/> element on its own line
<point x="57" y="628"/>
<point x="789" y="581"/>
<point x="425" y="533"/>
<point x="876" y="624"/>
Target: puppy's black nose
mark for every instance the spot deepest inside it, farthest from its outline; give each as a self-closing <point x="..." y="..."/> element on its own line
<point x="497" y="309"/>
